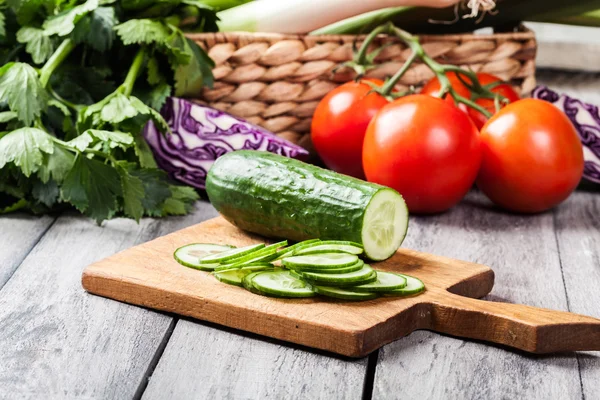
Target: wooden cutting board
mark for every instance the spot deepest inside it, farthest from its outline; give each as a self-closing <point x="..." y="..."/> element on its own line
<point x="147" y="275"/>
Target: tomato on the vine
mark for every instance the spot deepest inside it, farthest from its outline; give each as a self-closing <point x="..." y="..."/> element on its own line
<point x="532" y="157"/>
<point x="426" y="149"/>
<point x="504" y="89"/>
<point x="339" y="124"/>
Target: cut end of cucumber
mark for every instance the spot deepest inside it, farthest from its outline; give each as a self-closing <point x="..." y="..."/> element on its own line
<point x="385" y="225"/>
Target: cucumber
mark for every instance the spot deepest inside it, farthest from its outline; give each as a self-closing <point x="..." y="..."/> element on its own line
<point x="281" y="284"/>
<point x="413" y="286"/>
<point x="320" y="261"/>
<point x="280" y="197"/>
<point x="364" y="275"/>
<point x="343" y="293"/>
<point x="230" y="255"/>
<point x="330" y="246"/>
<point x="190" y="254"/>
<point x="236" y="275"/>
<point x="248" y="285"/>
<point x="265" y="254"/>
<point x="344" y="270"/>
<point x="290" y="249"/>
<point x="385" y="282"/>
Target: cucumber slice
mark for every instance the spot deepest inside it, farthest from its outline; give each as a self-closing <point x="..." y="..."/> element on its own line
<point x="190" y="254"/>
<point x="265" y="254"/>
<point x="230" y="255"/>
<point x="281" y="284"/>
<point x="386" y="281"/>
<point x="248" y="285"/>
<point x="384" y="225"/>
<point x="330" y="246"/>
<point x="413" y="286"/>
<point x="344" y="270"/>
<point x="325" y="260"/>
<point x="290" y="249"/>
<point x="345" y="294"/>
<point x="235" y="276"/>
<point x="364" y="275"/>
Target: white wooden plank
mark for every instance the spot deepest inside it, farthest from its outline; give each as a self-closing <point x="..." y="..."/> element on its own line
<point x="56" y="340"/>
<point x="204" y="362"/>
<point x="578" y="234"/>
<point x="18" y="234"/>
<point x="522" y="251"/>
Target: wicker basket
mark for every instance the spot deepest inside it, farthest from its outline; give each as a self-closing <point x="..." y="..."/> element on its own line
<point x="277" y="80"/>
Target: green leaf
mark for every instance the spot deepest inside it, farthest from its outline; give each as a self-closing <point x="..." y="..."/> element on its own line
<point x="64" y="23"/>
<point x="38" y="45"/>
<point x="154" y="75"/>
<point x="190" y="78"/>
<point x="6" y="116"/>
<point x="97" y="29"/>
<point x="181" y="202"/>
<point x="21" y="88"/>
<point x="133" y="191"/>
<point x="142" y="31"/>
<point x="17" y="205"/>
<point x="118" y="109"/>
<point x="156" y="187"/>
<point x="2" y="24"/>
<point x="25" y="10"/>
<point x="143" y="152"/>
<point x="93" y="136"/>
<point x="46" y="193"/>
<point x="56" y="165"/>
<point x="61" y="106"/>
<point x="92" y="187"/>
<point x="24" y="147"/>
<point x="156" y="96"/>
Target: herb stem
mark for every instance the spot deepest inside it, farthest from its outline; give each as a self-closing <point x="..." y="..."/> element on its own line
<point x="134" y="71"/>
<point x="62" y="52"/>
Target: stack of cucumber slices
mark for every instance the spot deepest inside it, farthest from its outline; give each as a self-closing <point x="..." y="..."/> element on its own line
<point x="330" y="268"/>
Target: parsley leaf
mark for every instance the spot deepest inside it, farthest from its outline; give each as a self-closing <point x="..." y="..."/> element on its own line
<point x="142" y="31"/>
<point x="96" y="29"/>
<point x="24" y="147"/>
<point x="156" y="188"/>
<point x="190" y="78"/>
<point x="93" y="136"/>
<point x="64" y="23"/>
<point x="181" y="201"/>
<point x="153" y="69"/>
<point x="92" y="187"/>
<point x="56" y="165"/>
<point x="6" y="116"/>
<point x="156" y="96"/>
<point x="46" y="193"/>
<point x="36" y="43"/>
<point x="133" y="191"/>
<point x="2" y="24"/>
<point x="21" y="88"/>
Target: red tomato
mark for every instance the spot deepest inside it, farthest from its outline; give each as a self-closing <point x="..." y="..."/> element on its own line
<point x="426" y="149"/>
<point x="433" y="88"/>
<point x="532" y="157"/>
<point x="340" y="122"/>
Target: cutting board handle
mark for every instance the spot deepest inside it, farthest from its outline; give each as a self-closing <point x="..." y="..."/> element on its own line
<point x="531" y="329"/>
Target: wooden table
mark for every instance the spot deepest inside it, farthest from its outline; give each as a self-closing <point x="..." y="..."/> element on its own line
<point x="56" y="341"/>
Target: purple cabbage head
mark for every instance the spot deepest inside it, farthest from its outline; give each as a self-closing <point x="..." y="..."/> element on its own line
<point x="201" y="134"/>
<point x="586" y="119"/>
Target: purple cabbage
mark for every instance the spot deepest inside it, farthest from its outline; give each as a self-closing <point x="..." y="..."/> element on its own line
<point x="586" y="119"/>
<point x="201" y="134"/>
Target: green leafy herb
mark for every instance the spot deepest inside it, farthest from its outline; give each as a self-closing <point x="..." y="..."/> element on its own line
<point x="73" y="106"/>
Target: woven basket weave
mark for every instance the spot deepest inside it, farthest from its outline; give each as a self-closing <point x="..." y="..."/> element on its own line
<point x="276" y="81"/>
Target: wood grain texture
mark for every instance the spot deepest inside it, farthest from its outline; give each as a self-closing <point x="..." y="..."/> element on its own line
<point x="206" y="363"/>
<point x="56" y="341"/>
<point x="578" y="236"/>
<point x="18" y="234"/>
<point x="148" y="275"/>
<point x="522" y="250"/>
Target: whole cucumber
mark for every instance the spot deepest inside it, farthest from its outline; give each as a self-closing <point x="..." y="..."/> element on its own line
<point x="280" y="197"/>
